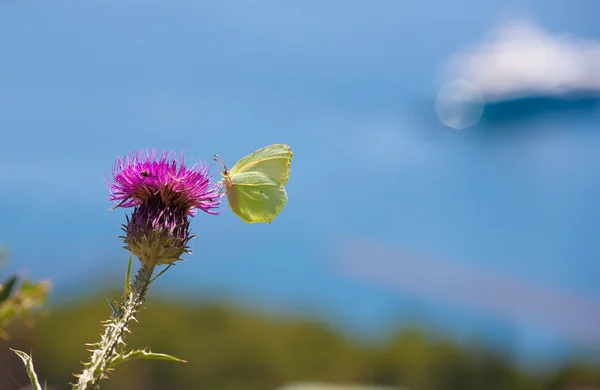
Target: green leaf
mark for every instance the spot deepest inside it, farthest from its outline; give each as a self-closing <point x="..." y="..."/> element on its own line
<point x="22" y="302"/>
<point x="142" y="354"/>
<point x="35" y="384"/>
<point x="7" y="288"/>
<point x="128" y="277"/>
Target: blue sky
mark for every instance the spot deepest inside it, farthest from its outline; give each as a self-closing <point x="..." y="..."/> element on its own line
<point x="351" y="87"/>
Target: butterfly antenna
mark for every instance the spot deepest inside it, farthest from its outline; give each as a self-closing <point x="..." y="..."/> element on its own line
<point x="217" y="158"/>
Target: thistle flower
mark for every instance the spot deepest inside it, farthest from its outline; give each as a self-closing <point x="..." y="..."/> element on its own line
<point x="141" y="176"/>
<point x="163" y="195"/>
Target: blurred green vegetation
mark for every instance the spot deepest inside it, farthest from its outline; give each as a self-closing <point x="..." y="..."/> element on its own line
<point x="229" y="348"/>
<point x="19" y="299"/>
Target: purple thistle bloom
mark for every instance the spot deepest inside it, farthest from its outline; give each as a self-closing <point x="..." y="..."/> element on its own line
<point x="163" y="196"/>
<point x="141" y="176"/>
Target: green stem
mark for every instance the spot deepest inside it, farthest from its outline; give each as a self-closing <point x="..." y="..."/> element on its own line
<point x="114" y="333"/>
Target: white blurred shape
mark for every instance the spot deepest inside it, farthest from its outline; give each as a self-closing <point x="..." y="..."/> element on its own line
<point x="521" y="59"/>
<point x="459" y="104"/>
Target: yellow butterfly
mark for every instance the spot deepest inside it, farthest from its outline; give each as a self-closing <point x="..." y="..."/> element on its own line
<point x="255" y="186"/>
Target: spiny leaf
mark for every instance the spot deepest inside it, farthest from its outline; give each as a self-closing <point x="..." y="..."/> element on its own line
<point x="7" y="288"/>
<point x="142" y="354"/>
<point x="116" y="311"/>
<point x="35" y="384"/>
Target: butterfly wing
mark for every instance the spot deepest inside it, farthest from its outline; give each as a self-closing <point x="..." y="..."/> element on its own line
<point x="256" y="197"/>
<point x="273" y="161"/>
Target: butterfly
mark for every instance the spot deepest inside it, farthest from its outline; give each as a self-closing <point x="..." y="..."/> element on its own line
<point x="255" y="185"/>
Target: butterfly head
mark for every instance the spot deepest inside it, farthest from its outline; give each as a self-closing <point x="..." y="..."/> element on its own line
<point x="225" y="172"/>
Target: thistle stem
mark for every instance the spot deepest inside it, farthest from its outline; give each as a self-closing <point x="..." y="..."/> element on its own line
<point x="114" y="333"/>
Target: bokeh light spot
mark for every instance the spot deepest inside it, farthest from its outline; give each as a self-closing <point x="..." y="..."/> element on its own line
<point x="459" y="104"/>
